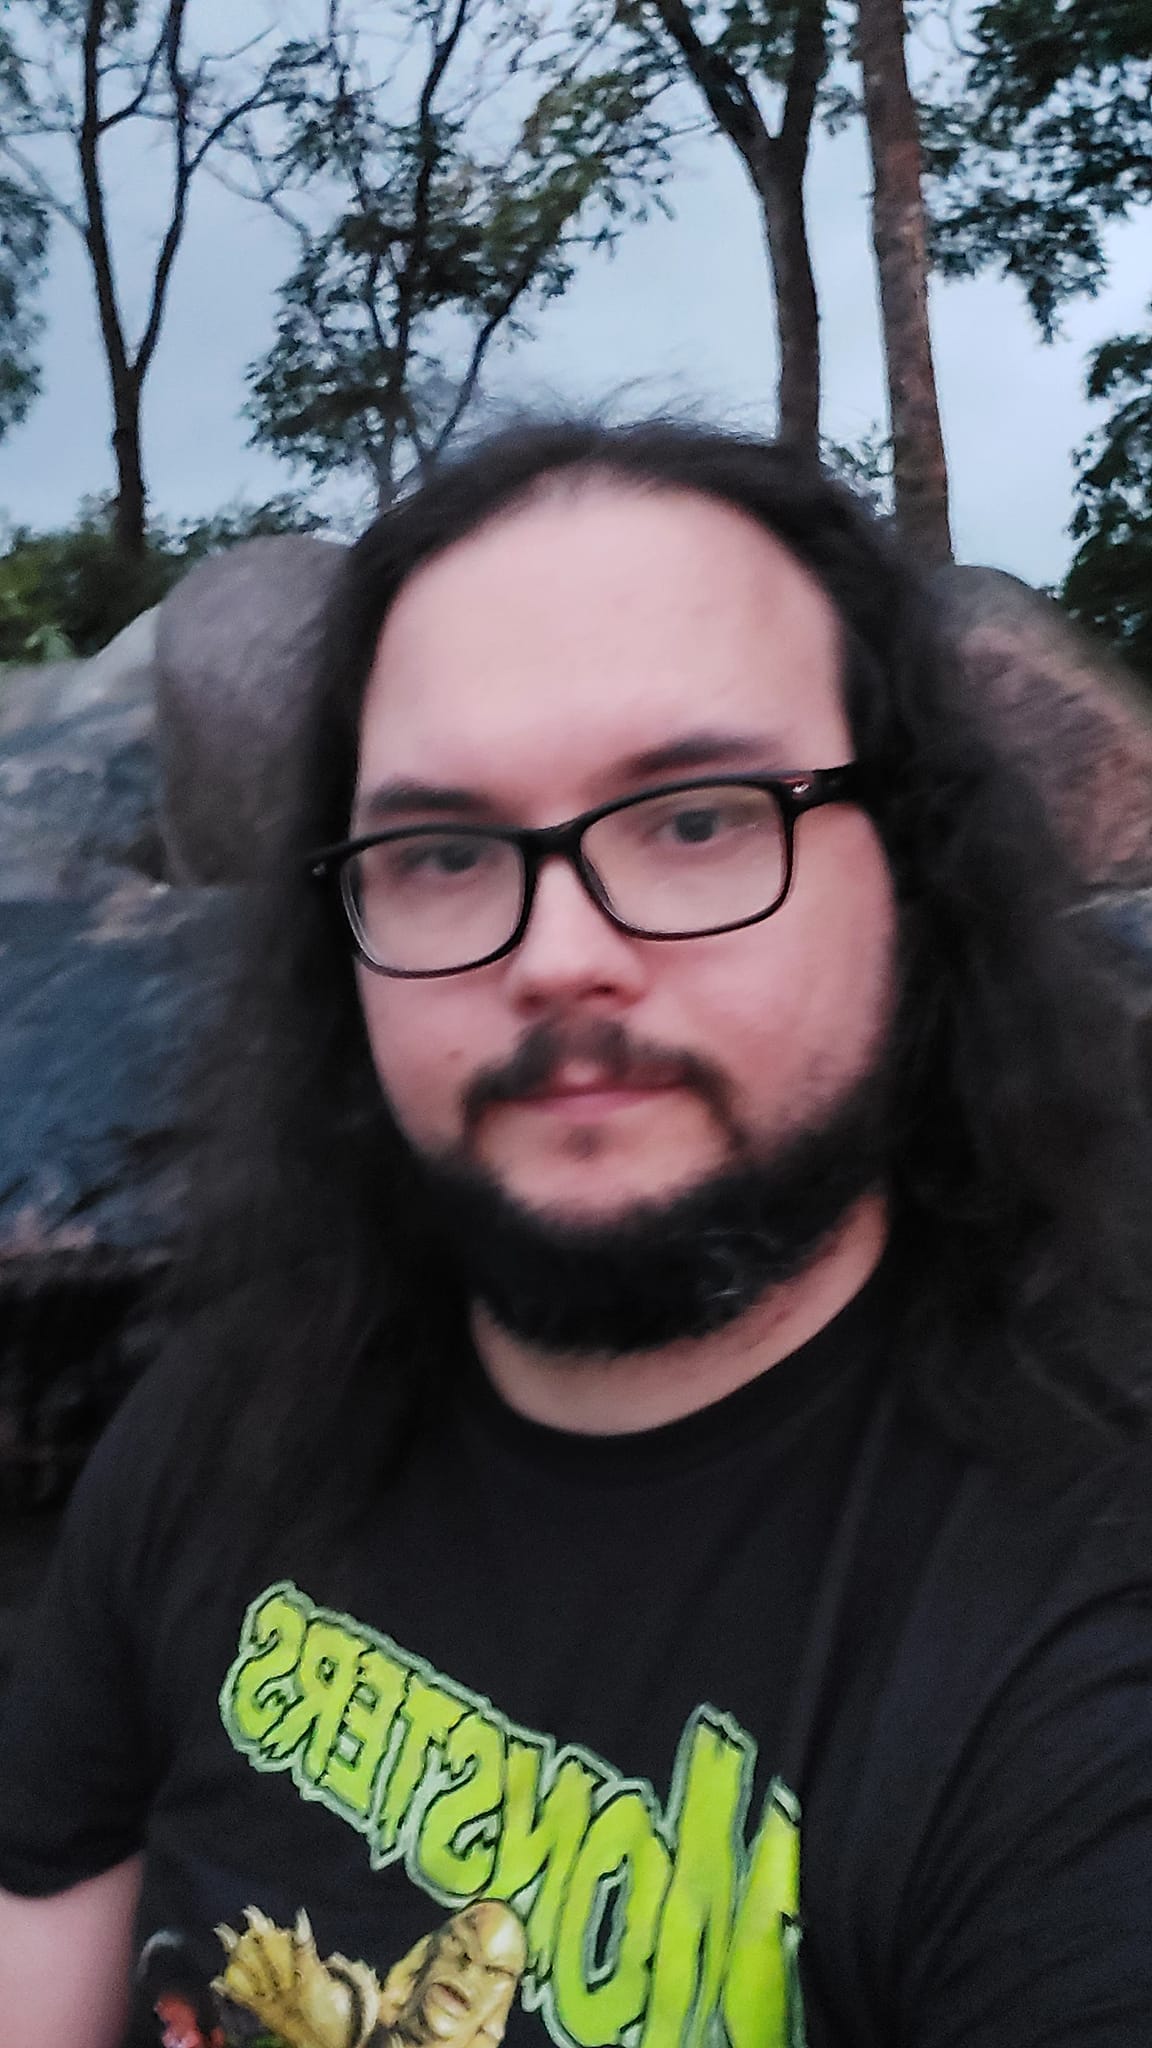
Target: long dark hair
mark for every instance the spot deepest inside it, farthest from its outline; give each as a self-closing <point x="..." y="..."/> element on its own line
<point x="1019" y="1161"/>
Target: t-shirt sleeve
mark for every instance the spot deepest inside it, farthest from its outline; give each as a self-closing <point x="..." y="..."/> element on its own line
<point x="1029" y="1920"/>
<point x="75" y="1765"/>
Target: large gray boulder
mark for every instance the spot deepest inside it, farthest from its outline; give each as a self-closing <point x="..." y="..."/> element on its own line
<point x="235" y="651"/>
<point x="78" y="804"/>
<point x="100" y="1004"/>
<point x="1076" y="720"/>
<point x="32" y="695"/>
<point x="78" y="777"/>
<point x="121" y="675"/>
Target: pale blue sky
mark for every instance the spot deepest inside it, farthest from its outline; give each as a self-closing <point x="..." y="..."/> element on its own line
<point x="680" y="316"/>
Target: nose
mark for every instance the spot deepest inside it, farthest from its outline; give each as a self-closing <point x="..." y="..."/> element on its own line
<point x="571" y="950"/>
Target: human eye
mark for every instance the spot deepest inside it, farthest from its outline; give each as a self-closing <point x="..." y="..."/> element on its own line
<point x="696" y="824"/>
<point x="431" y="859"/>
<point x="706" y="818"/>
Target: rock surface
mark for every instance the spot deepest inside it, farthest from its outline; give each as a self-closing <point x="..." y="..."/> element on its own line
<point x="121" y="674"/>
<point x="79" y="783"/>
<point x="78" y="803"/>
<point x="1079" y="724"/>
<point x="32" y="696"/>
<point x="234" y="652"/>
<point x="99" y="1005"/>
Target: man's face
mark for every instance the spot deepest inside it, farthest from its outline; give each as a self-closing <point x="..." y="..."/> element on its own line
<point x="586" y="647"/>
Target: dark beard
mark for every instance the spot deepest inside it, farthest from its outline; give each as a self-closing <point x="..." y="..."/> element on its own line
<point x="681" y="1268"/>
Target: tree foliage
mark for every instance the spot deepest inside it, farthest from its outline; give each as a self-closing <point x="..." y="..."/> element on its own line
<point x="461" y="188"/>
<point x="1046" y="142"/>
<point x="866" y="466"/>
<point x="70" y="591"/>
<point x="24" y="234"/>
<point x="81" y="75"/>
<point x="23" y="250"/>
<point x="1109" y="585"/>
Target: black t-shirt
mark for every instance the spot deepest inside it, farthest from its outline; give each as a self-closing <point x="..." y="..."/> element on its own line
<point x="785" y="1723"/>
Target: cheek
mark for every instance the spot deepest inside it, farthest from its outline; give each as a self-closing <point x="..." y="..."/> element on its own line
<point x="425" y="1046"/>
<point x="804" y="998"/>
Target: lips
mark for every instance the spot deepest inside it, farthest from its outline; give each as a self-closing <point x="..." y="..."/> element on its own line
<point x="450" y="1996"/>
<point x="586" y="1071"/>
<point x="581" y="1082"/>
<point x="588" y="1101"/>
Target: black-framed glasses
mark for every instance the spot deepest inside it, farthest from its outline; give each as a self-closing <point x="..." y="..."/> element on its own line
<point x="686" y="861"/>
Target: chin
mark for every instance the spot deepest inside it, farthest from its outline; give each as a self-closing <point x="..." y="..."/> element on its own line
<point x="595" y="1197"/>
<point x="587" y="1180"/>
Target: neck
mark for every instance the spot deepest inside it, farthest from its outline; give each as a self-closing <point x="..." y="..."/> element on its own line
<point x="617" y="1396"/>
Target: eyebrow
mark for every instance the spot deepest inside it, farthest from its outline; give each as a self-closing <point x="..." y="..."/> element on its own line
<point x="406" y="797"/>
<point x="705" y="749"/>
<point x="403" y="798"/>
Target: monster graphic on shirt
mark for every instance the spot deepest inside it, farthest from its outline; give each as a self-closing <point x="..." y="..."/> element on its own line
<point x="454" y="1990"/>
<point x="618" y="1918"/>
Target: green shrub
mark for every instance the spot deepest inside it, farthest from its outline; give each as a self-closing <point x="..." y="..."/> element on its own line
<point x="69" y="593"/>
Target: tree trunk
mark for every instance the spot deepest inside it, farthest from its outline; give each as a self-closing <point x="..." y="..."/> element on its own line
<point x="776" y="165"/>
<point x="130" y="506"/>
<point x="786" y="230"/>
<point x="381" y="453"/>
<point x="130" y="511"/>
<point x="797" y="314"/>
<point x="128" y="514"/>
<point x="900" y="240"/>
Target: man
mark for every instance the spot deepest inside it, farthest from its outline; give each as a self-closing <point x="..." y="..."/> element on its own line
<point x="655" y="1430"/>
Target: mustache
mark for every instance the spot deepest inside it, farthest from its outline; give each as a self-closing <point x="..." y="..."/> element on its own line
<point x="626" y="1062"/>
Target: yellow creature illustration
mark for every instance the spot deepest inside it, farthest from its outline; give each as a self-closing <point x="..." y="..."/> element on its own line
<point x="453" y="1990"/>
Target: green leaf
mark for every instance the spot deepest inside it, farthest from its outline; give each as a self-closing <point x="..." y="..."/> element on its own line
<point x="1109" y="583"/>
<point x="1045" y="140"/>
<point x="452" y="220"/>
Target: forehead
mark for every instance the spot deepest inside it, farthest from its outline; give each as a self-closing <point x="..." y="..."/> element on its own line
<point x="494" y="1931"/>
<point x="593" y="625"/>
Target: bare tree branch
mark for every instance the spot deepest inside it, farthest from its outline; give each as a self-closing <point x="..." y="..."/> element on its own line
<point x="134" y="105"/>
<point x="775" y="164"/>
<point x="486" y="335"/>
<point x="133" y="66"/>
<point x="443" y="52"/>
<point x="183" y="167"/>
<point x="96" y="223"/>
<point x="269" y="190"/>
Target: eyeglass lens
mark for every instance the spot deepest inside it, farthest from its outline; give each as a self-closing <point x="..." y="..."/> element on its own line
<point x="668" y="866"/>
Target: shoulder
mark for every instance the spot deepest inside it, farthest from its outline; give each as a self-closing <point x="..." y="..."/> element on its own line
<point x="1018" y="1559"/>
<point x="1007" y="1548"/>
<point x="979" y="1592"/>
<point x="147" y="1475"/>
<point x="1038" y="1548"/>
<point x="183" y="1384"/>
<point x="984" y="1781"/>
